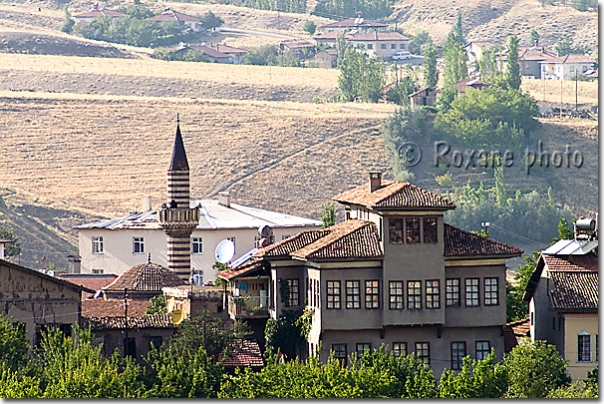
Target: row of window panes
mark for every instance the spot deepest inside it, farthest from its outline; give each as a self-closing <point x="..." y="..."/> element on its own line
<point x="384" y="46"/>
<point x="472" y="292"/>
<point x="353" y="294"/>
<point x="584" y="347"/>
<point x="410" y="228"/>
<point x="422" y="350"/>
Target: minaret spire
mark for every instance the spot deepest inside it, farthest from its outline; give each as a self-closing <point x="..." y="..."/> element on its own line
<point x="178" y="220"/>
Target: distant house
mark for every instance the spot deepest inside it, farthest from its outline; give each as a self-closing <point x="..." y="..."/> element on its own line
<point x="37" y="301"/>
<point x="95" y="12"/>
<point x="194" y="300"/>
<point x="474" y="49"/>
<point x="423" y="96"/>
<point x="562" y="294"/>
<point x="236" y="54"/>
<point x="298" y="47"/>
<point x="182" y="19"/>
<point x="358" y="24"/>
<point x="327" y="59"/>
<point x="530" y="58"/>
<point x="380" y="44"/>
<point x="242" y="353"/>
<point x="565" y="67"/>
<point x="474" y="83"/>
<point x="211" y="55"/>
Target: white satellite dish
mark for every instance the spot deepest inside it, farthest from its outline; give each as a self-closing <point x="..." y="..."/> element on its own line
<point x="224" y="251"/>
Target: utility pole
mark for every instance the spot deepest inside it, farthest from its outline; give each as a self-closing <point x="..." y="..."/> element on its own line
<point x="126" y="345"/>
<point x="561" y="96"/>
<point x="576" y="91"/>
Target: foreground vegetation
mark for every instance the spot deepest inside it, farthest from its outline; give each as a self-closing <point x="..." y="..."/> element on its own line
<point x="188" y="367"/>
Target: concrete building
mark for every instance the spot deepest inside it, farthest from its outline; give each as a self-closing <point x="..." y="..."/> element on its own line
<point x="374" y="43"/>
<point x="38" y="301"/>
<point x="563" y="302"/>
<point x="565" y="67"/>
<point x="393" y="273"/>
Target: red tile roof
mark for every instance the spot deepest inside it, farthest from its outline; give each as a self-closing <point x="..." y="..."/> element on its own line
<point x="110" y="323"/>
<point x="536" y="54"/>
<point x="354" y="22"/>
<point x="394" y="194"/>
<point x="100" y="307"/>
<point x="521" y="328"/>
<point x="463" y="85"/>
<point x="243" y="353"/>
<point x="98" y="12"/>
<point x="570" y="59"/>
<point x="285" y="247"/>
<point x="227" y="49"/>
<point x="574" y="292"/>
<point x="90" y="281"/>
<point x="377" y="36"/>
<point x="297" y="44"/>
<point x="171" y="15"/>
<point x="205" y="49"/>
<point x="145" y="277"/>
<point x="461" y="243"/>
<point x="513" y="332"/>
<point x="574" y="263"/>
<point x="246" y="270"/>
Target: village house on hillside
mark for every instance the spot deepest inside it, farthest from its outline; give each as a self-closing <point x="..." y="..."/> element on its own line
<point x="114" y="245"/>
<point x="168" y="14"/>
<point x="392" y="273"/>
<point x="218" y="53"/>
<point x="565" y="67"/>
<point x="380" y="44"/>
<point x="95" y="12"/>
<point x="358" y="24"/>
<point x="563" y="299"/>
<point x="38" y="301"/>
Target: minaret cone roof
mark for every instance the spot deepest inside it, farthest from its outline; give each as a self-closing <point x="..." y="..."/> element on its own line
<point x="178" y="162"/>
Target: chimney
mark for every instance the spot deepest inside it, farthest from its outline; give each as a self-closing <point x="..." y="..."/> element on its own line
<point x="224" y="199"/>
<point x="146" y="204"/>
<point x="359" y="14"/>
<point x="375" y="181"/>
<point x="74" y="264"/>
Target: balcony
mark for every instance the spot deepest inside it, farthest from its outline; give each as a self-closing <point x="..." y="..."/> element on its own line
<point x="248" y="307"/>
<point x="178" y="218"/>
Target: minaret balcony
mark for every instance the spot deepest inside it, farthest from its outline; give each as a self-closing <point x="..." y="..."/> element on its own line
<point x="179" y="217"/>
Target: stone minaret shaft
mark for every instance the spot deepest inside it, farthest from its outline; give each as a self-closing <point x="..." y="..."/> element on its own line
<point x="178" y="220"/>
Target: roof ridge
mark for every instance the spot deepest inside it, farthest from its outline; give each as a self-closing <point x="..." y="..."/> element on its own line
<point x="341" y="233"/>
<point x="394" y="182"/>
<point x="478" y="235"/>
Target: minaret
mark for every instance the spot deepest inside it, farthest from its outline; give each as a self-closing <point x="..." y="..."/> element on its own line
<point x="177" y="218"/>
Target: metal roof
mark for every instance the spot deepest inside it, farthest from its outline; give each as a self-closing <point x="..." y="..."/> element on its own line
<point x="213" y="216"/>
<point x="572" y="247"/>
<point x="243" y="258"/>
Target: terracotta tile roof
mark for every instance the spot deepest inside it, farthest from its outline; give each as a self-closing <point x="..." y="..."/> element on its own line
<point x="574" y="291"/>
<point x="513" y="332"/>
<point x="243" y="353"/>
<point x="96" y="12"/>
<point x="570" y="59"/>
<point x="227" y="49"/>
<point x="90" y="281"/>
<point x="421" y="90"/>
<point x="354" y="22"/>
<point x="245" y="270"/>
<point x="171" y="15"/>
<point x="536" y="54"/>
<point x="100" y="307"/>
<point x="109" y="323"/>
<point x="521" y="328"/>
<point x="376" y="36"/>
<point x="461" y="243"/>
<point x="509" y="339"/>
<point x="349" y="240"/>
<point x="475" y="83"/>
<point x="297" y="44"/>
<point x="205" y="49"/>
<point x="285" y="247"/>
<point x="145" y="277"/>
<point x="574" y="263"/>
<point x="394" y="194"/>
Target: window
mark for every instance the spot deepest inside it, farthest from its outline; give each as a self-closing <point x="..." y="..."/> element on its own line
<point x="197" y="245"/>
<point x="399" y="348"/>
<point x="130" y="347"/>
<point x="396" y="295"/>
<point x="458" y="351"/>
<point x="532" y="318"/>
<point x="138" y="245"/>
<point x="285" y="236"/>
<point x="412" y="230"/>
<point x="383" y="46"/>
<point x="402" y="46"/>
<point x="372" y="295"/>
<point x="393" y="46"/>
<point x="353" y="294"/>
<point x="472" y="292"/>
<point x="339" y="352"/>
<point x="433" y="294"/>
<point x="333" y="295"/>
<point x="396" y="231"/>
<point x="491" y="292"/>
<point x="584" y="347"/>
<point x="452" y="292"/>
<point x="156" y="342"/>
<point x="97" y="245"/>
<point x="362" y="348"/>
<point x="294" y="292"/>
<point x="430" y="230"/>
<point x="317" y="293"/>
<point x="414" y="295"/>
<point x="597" y="347"/>
<point x="422" y="350"/>
<point x="483" y="349"/>
<point x="370" y="46"/>
<point x="97" y="271"/>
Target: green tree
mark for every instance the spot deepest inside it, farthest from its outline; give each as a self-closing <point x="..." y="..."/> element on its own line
<point x="534" y="37"/>
<point x="399" y="94"/>
<point x="210" y="21"/>
<point x="285" y="334"/>
<point x="566" y="46"/>
<point x="194" y="56"/>
<point x="341" y="46"/>
<point x="457" y="28"/>
<point x="352" y="67"/>
<point x="13" y="247"/>
<point x="309" y="26"/>
<point x="373" y="80"/>
<point x="455" y="60"/>
<point x="513" y="73"/>
<point x="477" y="379"/>
<point x="420" y="41"/>
<point x="158" y="305"/>
<point x="68" y="22"/>
<point x="140" y="13"/>
<point x="534" y="369"/>
<point x="430" y="72"/>
<point x="328" y="216"/>
<point x="14" y="346"/>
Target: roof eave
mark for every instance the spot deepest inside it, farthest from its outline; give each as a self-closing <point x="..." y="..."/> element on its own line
<point x="482" y="257"/>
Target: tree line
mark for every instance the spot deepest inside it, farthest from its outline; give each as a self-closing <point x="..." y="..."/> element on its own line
<point x="285" y="6"/>
<point x="188" y="367"/>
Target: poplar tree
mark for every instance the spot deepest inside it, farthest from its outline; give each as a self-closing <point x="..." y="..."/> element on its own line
<point x="512" y="75"/>
<point x="430" y="72"/>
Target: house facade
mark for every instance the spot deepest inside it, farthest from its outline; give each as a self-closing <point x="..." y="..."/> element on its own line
<point x="184" y="20"/>
<point x="393" y="273"/>
<point x="563" y="303"/>
<point x="38" y="301"/>
<point x="476" y="49"/>
<point x="358" y="24"/>
<point x="423" y="96"/>
<point x="374" y="43"/>
<point x="565" y="67"/>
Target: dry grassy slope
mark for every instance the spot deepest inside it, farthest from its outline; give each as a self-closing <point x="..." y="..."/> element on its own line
<point x="105" y="154"/>
<point x="495" y="20"/>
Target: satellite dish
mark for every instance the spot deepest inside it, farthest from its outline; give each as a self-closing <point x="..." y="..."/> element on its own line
<point x="177" y="316"/>
<point x="265" y="231"/>
<point x="225" y="251"/>
<point x="50" y="272"/>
